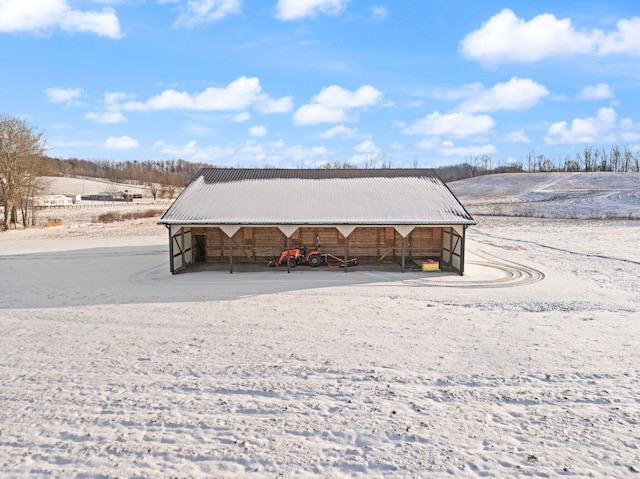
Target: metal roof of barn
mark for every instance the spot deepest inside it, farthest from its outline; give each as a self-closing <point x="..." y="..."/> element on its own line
<point x="237" y="196"/>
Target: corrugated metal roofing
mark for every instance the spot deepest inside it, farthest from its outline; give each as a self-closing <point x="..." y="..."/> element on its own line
<point x="235" y="196"/>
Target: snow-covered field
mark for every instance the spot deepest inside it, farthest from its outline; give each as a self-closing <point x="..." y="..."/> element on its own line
<point x="527" y="366"/>
<point x="553" y="195"/>
<point x="57" y="185"/>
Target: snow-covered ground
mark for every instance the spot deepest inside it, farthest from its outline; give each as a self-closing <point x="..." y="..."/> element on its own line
<point x="527" y="366"/>
<point x="58" y="185"/>
<point x="553" y="195"/>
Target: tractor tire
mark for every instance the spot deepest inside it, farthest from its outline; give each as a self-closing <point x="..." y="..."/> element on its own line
<point x="292" y="262"/>
<point x="314" y="260"/>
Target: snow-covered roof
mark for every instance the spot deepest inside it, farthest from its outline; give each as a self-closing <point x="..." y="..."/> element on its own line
<point x="232" y="196"/>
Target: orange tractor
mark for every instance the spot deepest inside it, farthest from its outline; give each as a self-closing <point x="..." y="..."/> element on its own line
<point x="297" y="256"/>
<point x="311" y="257"/>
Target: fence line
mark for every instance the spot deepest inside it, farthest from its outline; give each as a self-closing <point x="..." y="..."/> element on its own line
<point x="99" y="204"/>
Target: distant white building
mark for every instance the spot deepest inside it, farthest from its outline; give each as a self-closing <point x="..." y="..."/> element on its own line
<point x="48" y="201"/>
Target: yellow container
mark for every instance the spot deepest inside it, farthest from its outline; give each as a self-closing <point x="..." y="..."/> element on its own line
<point x="431" y="266"/>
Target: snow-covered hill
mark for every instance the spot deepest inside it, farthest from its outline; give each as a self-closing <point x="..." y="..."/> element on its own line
<point x="56" y="185"/>
<point x="552" y="195"/>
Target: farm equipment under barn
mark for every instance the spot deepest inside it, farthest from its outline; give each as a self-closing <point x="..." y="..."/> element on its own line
<point x="312" y="257"/>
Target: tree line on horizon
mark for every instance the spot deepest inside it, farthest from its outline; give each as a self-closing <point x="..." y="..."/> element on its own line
<point x="164" y="172"/>
<point x="179" y="172"/>
<point x="23" y="164"/>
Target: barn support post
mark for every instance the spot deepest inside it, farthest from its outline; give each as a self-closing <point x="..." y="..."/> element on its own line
<point x="171" y="268"/>
<point x="288" y="253"/>
<point x="462" y="248"/>
<point x="230" y="254"/>
<point x="182" y="258"/>
<point x="346" y="253"/>
<point x="230" y="230"/>
<point x="451" y="247"/>
<point x="345" y="231"/>
<point x="404" y="231"/>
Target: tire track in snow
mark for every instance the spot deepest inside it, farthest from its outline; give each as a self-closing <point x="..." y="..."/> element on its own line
<point x="554" y="248"/>
<point x="513" y="274"/>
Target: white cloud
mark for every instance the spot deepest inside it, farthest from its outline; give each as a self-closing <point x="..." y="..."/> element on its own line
<point x="333" y="103"/>
<point x="43" y="15"/>
<point x="629" y="136"/>
<point x="237" y="95"/>
<point x="103" y="23"/>
<point x="601" y="91"/>
<point x="302" y="153"/>
<point x="120" y="143"/>
<point x="367" y="146"/>
<point x="627" y="123"/>
<point x="379" y="12"/>
<point x="453" y="94"/>
<point x="429" y="143"/>
<point x="339" y="131"/>
<point x="107" y="117"/>
<point x="626" y="39"/>
<point x="197" y="129"/>
<point x="314" y="113"/>
<point x="192" y="152"/>
<point x="464" y="151"/>
<point x="630" y="130"/>
<point x="69" y="96"/>
<point x="507" y="38"/>
<point x="517" y="137"/>
<point x="297" y="9"/>
<point x="260" y="130"/>
<point x="336" y="97"/>
<point x="277" y="153"/>
<point x="199" y="12"/>
<point x="448" y="148"/>
<point x="504" y="37"/>
<point x="456" y="125"/>
<point x="249" y="153"/>
<point x="584" y="130"/>
<point x="516" y="94"/>
<point x="281" y="105"/>
<point x="112" y="114"/>
<point x="241" y="117"/>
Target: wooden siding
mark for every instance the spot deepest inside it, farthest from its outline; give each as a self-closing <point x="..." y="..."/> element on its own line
<point x="371" y="244"/>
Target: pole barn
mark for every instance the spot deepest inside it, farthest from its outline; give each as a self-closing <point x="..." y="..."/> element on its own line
<point x="235" y="216"/>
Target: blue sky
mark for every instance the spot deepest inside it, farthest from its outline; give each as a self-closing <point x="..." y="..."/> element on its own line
<point x="298" y="83"/>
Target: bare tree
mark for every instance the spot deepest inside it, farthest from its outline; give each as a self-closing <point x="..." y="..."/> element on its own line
<point x="531" y="155"/>
<point x="544" y="164"/>
<point x="151" y="180"/>
<point x="33" y="185"/>
<point x="485" y="160"/>
<point x="571" y="165"/>
<point x="154" y="189"/>
<point x="169" y="191"/>
<point x="587" y="158"/>
<point x="630" y="162"/>
<point x="22" y="151"/>
<point x="385" y="161"/>
<point x="615" y="157"/>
